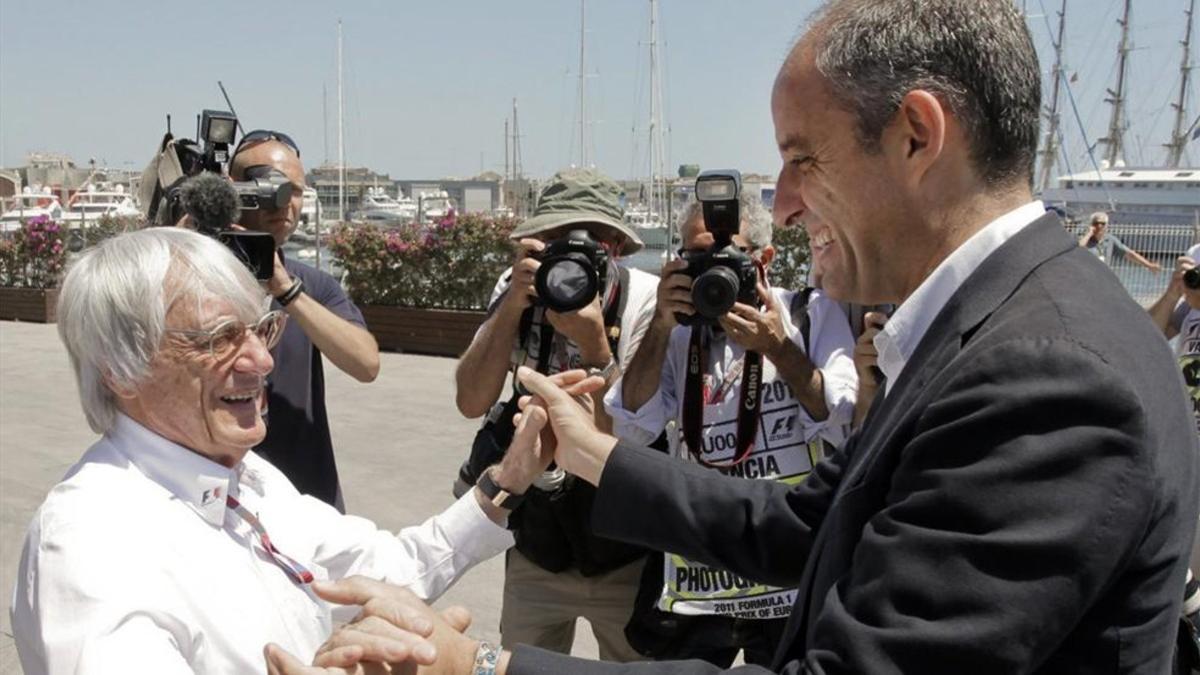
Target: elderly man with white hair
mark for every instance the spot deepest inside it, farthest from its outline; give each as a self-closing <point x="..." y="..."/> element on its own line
<point x="170" y="546"/>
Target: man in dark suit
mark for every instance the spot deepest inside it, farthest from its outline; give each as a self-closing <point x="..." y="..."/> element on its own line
<point x="1023" y="493"/>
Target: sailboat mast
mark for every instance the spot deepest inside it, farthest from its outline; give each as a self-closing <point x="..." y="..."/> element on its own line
<point x="516" y="134"/>
<point x="1115" y="141"/>
<point x="583" y="158"/>
<point x="1050" y="150"/>
<point x="657" y="158"/>
<point x="341" y="133"/>
<point x="325" y="121"/>
<point x="1179" y="133"/>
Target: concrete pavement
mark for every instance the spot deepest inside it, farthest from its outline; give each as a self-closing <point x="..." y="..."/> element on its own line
<point x="399" y="442"/>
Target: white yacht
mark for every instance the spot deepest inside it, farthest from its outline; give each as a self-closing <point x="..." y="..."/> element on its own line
<point x="1142" y="196"/>
<point x="435" y="205"/>
<point x="648" y="225"/>
<point x="310" y="211"/>
<point x="96" y="200"/>
<point x="35" y="202"/>
<point x="378" y="207"/>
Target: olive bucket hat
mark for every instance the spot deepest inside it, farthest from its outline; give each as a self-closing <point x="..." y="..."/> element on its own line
<point x="579" y="196"/>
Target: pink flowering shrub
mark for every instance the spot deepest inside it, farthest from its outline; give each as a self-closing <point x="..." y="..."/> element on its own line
<point x="33" y="256"/>
<point x="451" y="264"/>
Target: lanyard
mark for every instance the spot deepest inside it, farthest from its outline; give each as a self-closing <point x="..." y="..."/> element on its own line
<point x="295" y="571"/>
<point x="749" y="403"/>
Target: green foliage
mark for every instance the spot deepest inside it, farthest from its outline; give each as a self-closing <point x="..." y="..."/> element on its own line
<point x="34" y="255"/>
<point x="452" y="264"/>
<point x="792" y="254"/>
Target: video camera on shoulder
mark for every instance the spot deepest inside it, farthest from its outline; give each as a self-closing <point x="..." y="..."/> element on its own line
<point x="574" y="269"/>
<point x="214" y="202"/>
<point x="724" y="274"/>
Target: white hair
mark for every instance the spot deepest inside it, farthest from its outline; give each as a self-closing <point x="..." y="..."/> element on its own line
<point x="113" y="305"/>
<point x="756" y="224"/>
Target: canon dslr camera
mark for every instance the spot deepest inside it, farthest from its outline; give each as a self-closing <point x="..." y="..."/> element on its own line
<point x="724" y="274"/>
<point x="573" y="270"/>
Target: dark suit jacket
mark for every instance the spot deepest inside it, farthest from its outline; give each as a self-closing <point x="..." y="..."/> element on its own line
<point x="1023" y="500"/>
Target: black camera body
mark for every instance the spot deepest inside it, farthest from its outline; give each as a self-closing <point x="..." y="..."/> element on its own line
<point x="724" y="274"/>
<point x="214" y="203"/>
<point x="265" y="187"/>
<point x="719" y="279"/>
<point x="1191" y="278"/>
<point x="574" y="269"/>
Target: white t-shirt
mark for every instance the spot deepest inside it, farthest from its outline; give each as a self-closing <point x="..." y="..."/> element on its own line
<point x="787" y="446"/>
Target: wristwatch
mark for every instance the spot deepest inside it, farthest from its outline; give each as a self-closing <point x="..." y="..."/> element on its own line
<point x="496" y="494"/>
<point x="606" y="372"/>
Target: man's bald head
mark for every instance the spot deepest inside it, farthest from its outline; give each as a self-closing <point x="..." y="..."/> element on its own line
<point x="278" y="223"/>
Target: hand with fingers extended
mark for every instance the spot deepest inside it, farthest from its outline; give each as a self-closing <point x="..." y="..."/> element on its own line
<point x="529" y="454"/>
<point x="521" y="292"/>
<point x="674" y="293"/>
<point x="580" y="448"/>
<point x="392" y="618"/>
<point x="386" y="637"/>
<point x="756" y="330"/>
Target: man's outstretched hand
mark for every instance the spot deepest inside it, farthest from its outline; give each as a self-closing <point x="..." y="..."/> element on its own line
<point x="579" y="447"/>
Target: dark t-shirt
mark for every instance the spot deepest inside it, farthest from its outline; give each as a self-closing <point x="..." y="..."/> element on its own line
<point x="297" y="439"/>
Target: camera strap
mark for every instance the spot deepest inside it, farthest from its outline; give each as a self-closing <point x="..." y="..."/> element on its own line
<point x="749" y="403"/>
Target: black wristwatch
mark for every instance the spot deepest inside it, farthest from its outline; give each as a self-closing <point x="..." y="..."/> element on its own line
<point x="496" y="494"/>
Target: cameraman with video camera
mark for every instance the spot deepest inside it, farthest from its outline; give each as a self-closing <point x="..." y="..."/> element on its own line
<point x="760" y="380"/>
<point x="564" y="304"/>
<point x="323" y="321"/>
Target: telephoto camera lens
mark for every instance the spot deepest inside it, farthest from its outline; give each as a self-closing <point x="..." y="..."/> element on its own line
<point x="1191" y="278"/>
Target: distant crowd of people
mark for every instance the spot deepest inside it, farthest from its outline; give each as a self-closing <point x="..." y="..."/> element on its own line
<point x="960" y="447"/>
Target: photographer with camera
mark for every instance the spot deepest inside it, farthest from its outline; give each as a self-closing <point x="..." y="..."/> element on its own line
<point x="323" y="321"/>
<point x="1177" y="312"/>
<point x="768" y="420"/>
<point x="564" y="304"/>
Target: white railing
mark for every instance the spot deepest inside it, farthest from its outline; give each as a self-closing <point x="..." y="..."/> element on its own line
<point x="1161" y="244"/>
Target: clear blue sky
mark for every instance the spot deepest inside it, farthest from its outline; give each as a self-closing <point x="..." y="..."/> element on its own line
<point x="429" y="84"/>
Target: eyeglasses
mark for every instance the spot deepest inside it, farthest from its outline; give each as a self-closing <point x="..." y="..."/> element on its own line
<point x="224" y="339"/>
<point x="260" y="135"/>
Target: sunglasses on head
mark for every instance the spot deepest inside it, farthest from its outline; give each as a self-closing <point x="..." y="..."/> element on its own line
<point x="260" y="135"/>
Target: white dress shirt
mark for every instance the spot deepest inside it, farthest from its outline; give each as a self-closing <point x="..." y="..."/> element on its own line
<point x="135" y="564"/>
<point x="832" y="348"/>
<point x="899" y="338"/>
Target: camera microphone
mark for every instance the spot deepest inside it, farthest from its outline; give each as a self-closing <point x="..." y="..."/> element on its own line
<point x="213" y="205"/>
<point x="210" y="201"/>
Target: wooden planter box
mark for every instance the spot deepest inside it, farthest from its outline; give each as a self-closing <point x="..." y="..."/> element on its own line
<point x="440" y="332"/>
<point x="28" y="304"/>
